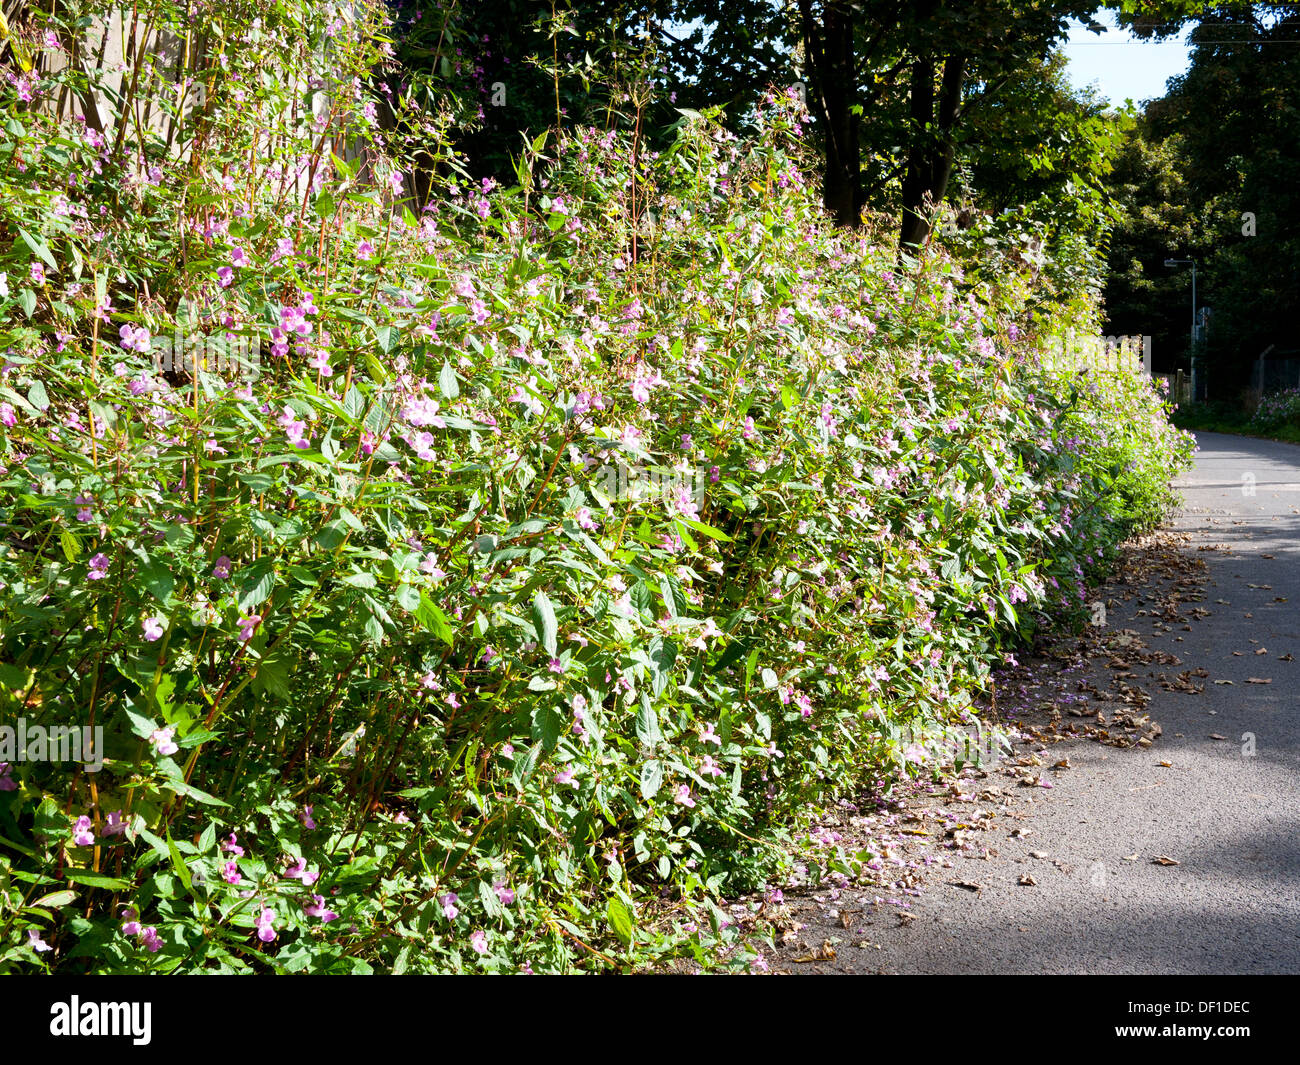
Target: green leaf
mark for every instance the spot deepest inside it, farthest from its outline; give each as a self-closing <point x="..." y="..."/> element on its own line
<point x="55" y="899"/>
<point x="39" y="247"/>
<point x="547" y="724"/>
<point x="620" y="919"/>
<point x="432" y="618"/>
<point x="662" y="654"/>
<point x="544" y="618"/>
<point x="647" y="724"/>
<point x="71" y="546"/>
<point x="447" y="381"/>
<point x="652" y="778"/>
<point x="97" y="880"/>
<point x="255" y="584"/>
<point x="191" y="792"/>
<point x="158" y="582"/>
<point x="707" y="530"/>
<point x="38" y="397"/>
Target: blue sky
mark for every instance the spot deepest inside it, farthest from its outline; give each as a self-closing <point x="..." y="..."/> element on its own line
<point x="1121" y="66"/>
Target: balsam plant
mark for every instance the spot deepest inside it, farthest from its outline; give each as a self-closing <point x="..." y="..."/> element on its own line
<point x="569" y="545"/>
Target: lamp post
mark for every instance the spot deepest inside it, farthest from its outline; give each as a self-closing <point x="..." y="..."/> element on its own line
<point x="1192" y="349"/>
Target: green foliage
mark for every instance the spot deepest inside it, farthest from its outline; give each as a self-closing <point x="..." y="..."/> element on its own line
<point x="572" y="543"/>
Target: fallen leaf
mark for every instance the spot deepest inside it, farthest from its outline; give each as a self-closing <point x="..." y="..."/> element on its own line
<point x="1028" y="881"/>
<point x="1167" y="765"/>
<point x="1038" y="854"/>
<point x="1130" y="858"/>
<point x="965" y="884"/>
<point x="1216" y="736"/>
<point x="1160" y="859"/>
<point x="1259" y="680"/>
<point x="1223" y="682"/>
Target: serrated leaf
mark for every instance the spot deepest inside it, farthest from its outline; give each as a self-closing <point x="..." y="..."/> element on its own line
<point x="544" y="619"/>
<point x="652" y="778"/>
<point x="620" y="919"/>
<point x="447" y="381"/>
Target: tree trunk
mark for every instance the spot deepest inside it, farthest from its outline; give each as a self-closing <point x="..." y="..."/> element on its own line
<point x="833" y="75"/>
<point x="932" y="151"/>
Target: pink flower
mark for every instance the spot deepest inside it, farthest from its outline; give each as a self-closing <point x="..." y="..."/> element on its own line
<point x="478" y="940"/>
<point x="505" y="895"/>
<point x="306" y="818"/>
<point x="162" y="740"/>
<point x="8" y="416"/>
<point x="247" y="625"/>
<point x="38" y="272"/>
<point x="131" y="922"/>
<point x="222" y="568"/>
<point x="98" y="567"/>
<point x="299" y="871"/>
<point x="583" y="517"/>
<point x="231" y="847"/>
<point x="238" y="257"/>
<point x="448" y="902"/>
<point x="134" y="339"/>
<point x="265" y="926"/>
<point x="709" y="768"/>
<point x="321" y="363"/>
<point x="113" y="825"/>
<point x="35" y="941"/>
<point x="7" y="783"/>
<point x="565" y="776"/>
<point x="152" y="942"/>
<point x="82" y="835"/>
<point x="365" y="250"/>
<point x="225" y="275"/>
<point x="231" y="872"/>
<point x="707" y="735"/>
<point x="317" y="908"/>
<point x="683" y="795"/>
<point x="153" y="629"/>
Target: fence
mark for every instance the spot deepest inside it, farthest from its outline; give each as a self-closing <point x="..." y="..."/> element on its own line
<point x="1274" y="375"/>
<point x="134" y="59"/>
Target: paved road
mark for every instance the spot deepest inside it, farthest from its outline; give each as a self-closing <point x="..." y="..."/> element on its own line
<point x="1230" y="819"/>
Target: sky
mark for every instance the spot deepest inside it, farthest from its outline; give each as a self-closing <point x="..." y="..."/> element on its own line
<point x="1121" y="66"/>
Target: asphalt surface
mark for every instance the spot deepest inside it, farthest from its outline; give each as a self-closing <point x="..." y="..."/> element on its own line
<point x="1226" y="809"/>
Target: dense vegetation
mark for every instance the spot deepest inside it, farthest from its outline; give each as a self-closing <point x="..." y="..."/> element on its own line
<point x="1209" y="172"/>
<point x="558" y="549"/>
